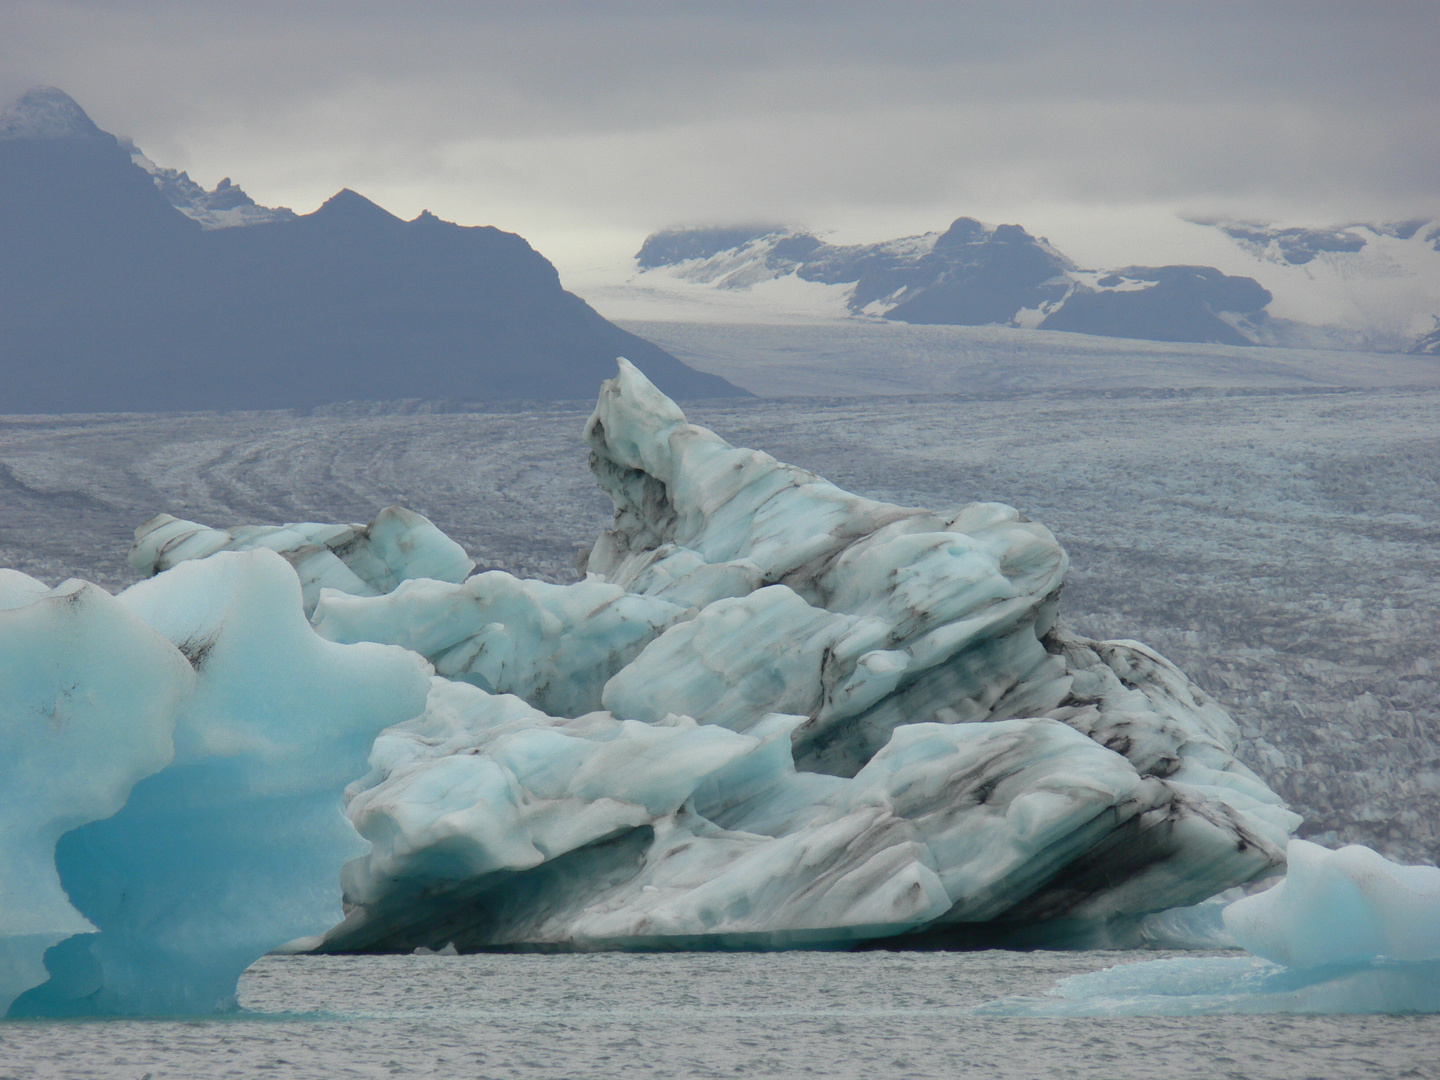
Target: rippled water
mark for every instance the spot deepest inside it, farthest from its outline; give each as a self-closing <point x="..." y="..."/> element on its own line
<point x="876" y="1014"/>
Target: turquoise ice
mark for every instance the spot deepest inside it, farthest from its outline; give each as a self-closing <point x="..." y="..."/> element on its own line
<point x="1345" y="931"/>
<point x="193" y="736"/>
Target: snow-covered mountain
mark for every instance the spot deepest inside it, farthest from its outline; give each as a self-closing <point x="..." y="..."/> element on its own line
<point x="224" y="208"/>
<point x="1428" y="344"/>
<point x="1371" y="287"/>
<point x="974" y="275"/>
<point x="48" y="113"/>
<point x="51" y="114"/>
<point x="1358" y="286"/>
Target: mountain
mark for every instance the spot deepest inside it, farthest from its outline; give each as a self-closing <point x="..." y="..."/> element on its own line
<point x="224" y="208"/>
<point x="1368" y="287"/>
<point x="973" y="275"/>
<point x="1363" y="285"/>
<point x="1428" y="344"/>
<point x="112" y="298"/>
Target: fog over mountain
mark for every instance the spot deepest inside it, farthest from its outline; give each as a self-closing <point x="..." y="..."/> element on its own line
<point x="584" y="127"/>
<point x="127" y="286"/>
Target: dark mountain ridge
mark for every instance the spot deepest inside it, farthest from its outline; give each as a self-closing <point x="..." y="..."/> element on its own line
<point x="112" y="299"/>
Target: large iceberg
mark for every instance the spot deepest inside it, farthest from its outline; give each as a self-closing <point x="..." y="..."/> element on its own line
<point x="1345" y="931"/>
<point x="777" y="713"/>
<point x="171" y="788"/>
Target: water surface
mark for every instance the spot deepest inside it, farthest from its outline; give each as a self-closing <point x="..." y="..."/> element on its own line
<point x="863" y="1015"/>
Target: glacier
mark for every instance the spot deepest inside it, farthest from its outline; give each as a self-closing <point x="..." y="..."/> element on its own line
<point x="1345" y="931"/>
<point x="171" y="798"/>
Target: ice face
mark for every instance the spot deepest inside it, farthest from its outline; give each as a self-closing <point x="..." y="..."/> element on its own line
<point x="205" y="697"/>
<point x="556" y="646"/>
<point x="1341" y="907"/>
<point x="89" y="696"/>
<point x="597" y="832"/>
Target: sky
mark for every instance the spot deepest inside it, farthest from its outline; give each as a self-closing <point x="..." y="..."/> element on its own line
<point x="586" y="126"/>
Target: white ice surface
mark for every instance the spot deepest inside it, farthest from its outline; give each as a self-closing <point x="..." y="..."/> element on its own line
<point x="1341" y="907"/>
<point x="876" y="358"/>
<point x="1344" y="931"/>
<point x="553" y="645"/>
<point x="363" y="560"/>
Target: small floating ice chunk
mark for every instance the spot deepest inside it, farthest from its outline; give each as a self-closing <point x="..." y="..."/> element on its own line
<point x="1225" y="985"/>
<point x="1340" y="907"/>
<point x="1345" y="931"/>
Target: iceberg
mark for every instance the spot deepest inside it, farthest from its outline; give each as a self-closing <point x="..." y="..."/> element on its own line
<point x="1341" y="907"/>
<point x="172" y="794"/>
<point x="885" y="731"/>
<point x="1344" y="931"/>
<point x="89" y="696"/>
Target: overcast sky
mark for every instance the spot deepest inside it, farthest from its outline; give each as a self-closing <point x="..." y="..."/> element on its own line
<point x="584" y="126"/>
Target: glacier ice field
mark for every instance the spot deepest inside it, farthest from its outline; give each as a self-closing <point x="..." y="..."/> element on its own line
<point x="771" y="714"/>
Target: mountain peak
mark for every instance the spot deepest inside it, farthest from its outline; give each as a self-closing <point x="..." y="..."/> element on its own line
<point x="347" y="205"/>
<point x="47" y="113"/>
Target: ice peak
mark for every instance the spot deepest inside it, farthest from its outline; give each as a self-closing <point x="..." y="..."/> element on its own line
<point x="47" y="113"/>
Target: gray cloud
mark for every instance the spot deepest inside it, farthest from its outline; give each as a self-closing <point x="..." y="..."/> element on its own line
<point x="607" y="119"/>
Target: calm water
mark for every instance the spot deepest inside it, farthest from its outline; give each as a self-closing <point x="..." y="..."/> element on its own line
<point x="864" y="1015"/>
